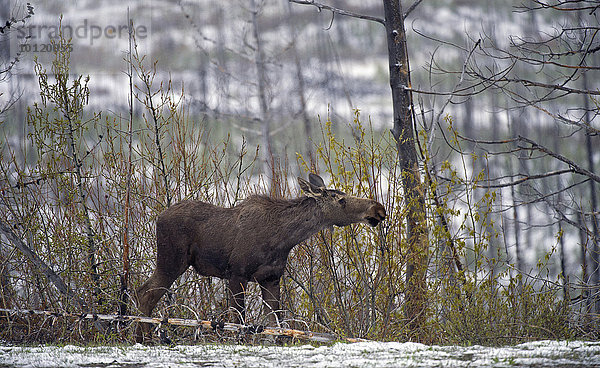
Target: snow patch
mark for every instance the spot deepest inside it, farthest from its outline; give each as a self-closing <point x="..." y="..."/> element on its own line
<point x="364" y="354"/>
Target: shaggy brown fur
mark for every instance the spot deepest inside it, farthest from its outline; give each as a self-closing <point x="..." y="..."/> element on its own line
<point x="248" y="242"/>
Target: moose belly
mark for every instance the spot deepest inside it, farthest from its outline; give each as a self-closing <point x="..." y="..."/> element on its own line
<point x="268" y="271"/>
<point x="209" y="264"/>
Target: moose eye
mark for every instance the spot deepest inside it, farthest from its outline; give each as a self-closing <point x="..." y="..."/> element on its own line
<point x="342" y="201"/>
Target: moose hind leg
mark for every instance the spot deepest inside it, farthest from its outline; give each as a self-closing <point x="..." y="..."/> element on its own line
<point x="150" y="293"/>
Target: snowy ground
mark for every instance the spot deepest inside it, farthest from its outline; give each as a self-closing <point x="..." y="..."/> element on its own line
<point x="366" y="354"/>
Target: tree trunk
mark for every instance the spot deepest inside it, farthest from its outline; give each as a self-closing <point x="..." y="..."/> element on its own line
<point x="593" y="196"/>
<point x="267" y="153"/>
<point x="221" y="76"/>
<point x="124" y="298"/>
<point x="515" y="208"/>
<point x="403" y="132"/>
<point x="583" y="240"/>
<point x="301" y="87"/>
<point x="79" y="183"/>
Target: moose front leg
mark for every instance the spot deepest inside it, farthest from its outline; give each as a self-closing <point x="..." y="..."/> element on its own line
<point x="237" y="289"/>
<point x="271" y="295"/>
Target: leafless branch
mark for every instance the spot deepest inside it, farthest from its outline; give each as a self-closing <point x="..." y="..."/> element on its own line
<point x="574" y="167"/>
<point x="554" y="87"/>
<point x="524" y="179"/>
<point x="39" y="264"/>
<point x="563" y="5"/>
<point x="334" y="10"/>
<point x="412" y="7"/>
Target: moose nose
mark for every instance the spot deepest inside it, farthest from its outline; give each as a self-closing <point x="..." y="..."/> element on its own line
<point x="377" y="214"/>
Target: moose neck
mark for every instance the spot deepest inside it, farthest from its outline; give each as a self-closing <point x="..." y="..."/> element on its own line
<point x="299" y="219"/>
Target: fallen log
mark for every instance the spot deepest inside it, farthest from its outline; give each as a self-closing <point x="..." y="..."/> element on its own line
<point x="319" y="337"/>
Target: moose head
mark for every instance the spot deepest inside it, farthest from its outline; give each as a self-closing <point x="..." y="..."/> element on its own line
<point x="340" y="208"/>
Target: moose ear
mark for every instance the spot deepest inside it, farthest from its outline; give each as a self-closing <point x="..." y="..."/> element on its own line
<point x="316" y="180"/>
<point x="309" y="189"/>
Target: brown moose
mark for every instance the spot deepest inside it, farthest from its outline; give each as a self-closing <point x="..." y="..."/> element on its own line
<point x="248" y="242"/>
